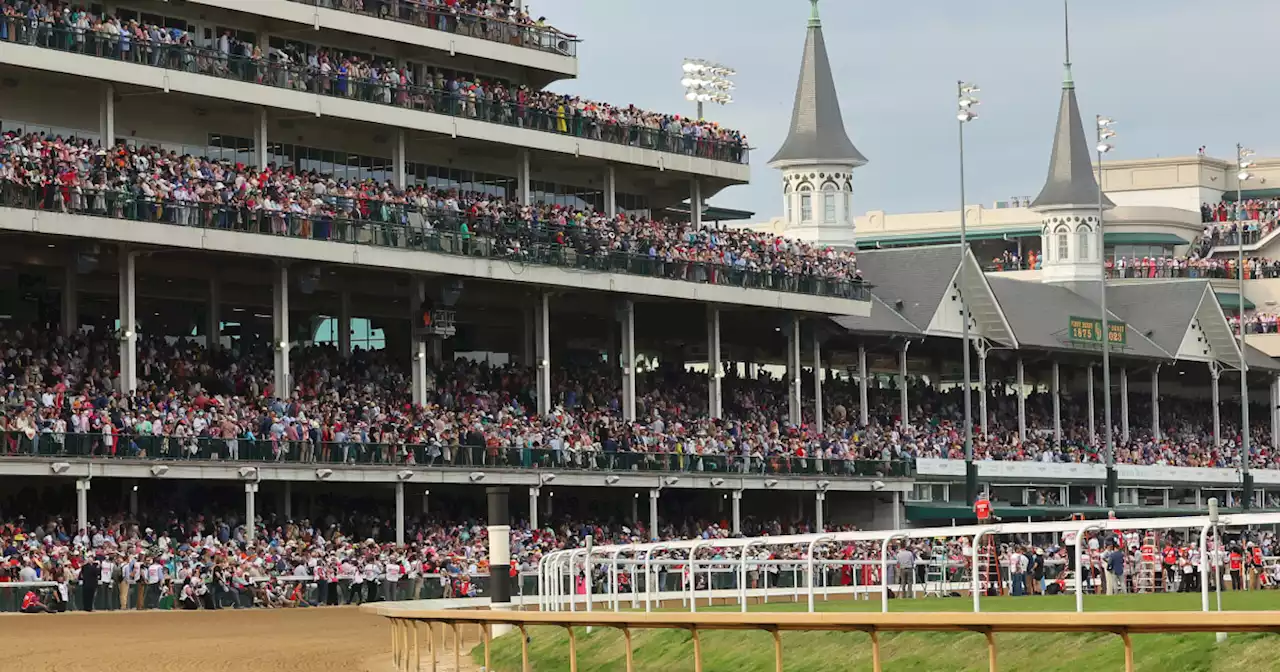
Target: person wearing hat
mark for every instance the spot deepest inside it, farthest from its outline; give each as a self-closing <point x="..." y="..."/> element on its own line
<point x="90" y="573"/>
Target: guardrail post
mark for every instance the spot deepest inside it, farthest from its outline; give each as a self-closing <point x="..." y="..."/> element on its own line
<point x="524" y="649"/>
<point x="1128" y="651"/>
<point x="697" y="649"/>
<point x="626" y="634"/>
<point x="573" y="649"/>
<point x="457" y="646"/>
<point x="991" y="651"/>
<point x="488" y="645"/>
<point x="777" y="649"/>
<point x="417" y="648"/>
<point x="875" y="651"/>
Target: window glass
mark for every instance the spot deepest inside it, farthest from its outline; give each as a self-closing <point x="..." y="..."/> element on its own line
<point x="1063" y="252"/>
<point x="806" y="207"/>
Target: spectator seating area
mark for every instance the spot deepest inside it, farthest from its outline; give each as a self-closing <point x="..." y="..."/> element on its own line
<point x="150" y="184"/>
<point x="347" y="75"/>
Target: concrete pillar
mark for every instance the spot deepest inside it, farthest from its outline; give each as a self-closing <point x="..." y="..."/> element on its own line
<point x="1124" y="405"/>
<point x="82" y="503"/>
<point x="70" y="289"/>
<point x="1093" y="432"/>
<point x="398" y="158"/>
<point x="128" y="321"/>
<point x="1057" y="404"/>
<point x="551" y="504"/>
<point x="653" y="513"/>
<point x="902" y="383"/>
<point x="533" y="507"/>
<point x="544" y="352"/>
<point x="426" y="503"/>
<point x="499" y="546"/>
<point x="107" y="116"/>
<point x="418" y="340"/>
<point x="288" y="500"/>
<point x="260" y="139"/>
<point x="635" y="509"/>
<point x="818" y="498"/>
<point x="794" y="415"/>
<point x="1155" y="402"/>
<point x="250" y="512"/>
<point x="1022" y="401"/>
<point x="400" y="512"/>
<point x="715" y="402"/>
<point x="864" y="413"/>
<point x="695" y="203"/>
<point x="610" y="191"/>
<point x="280" y="331"/>
<point x="1217" y="411"/>
<point x="344" y="323"/>
<point x="818" y="420"/>
<point x="737" y="512"/>
<point x="523" y="179"/>
<point x="627" y="362"/>
<point x="982" y="391"/>
<point x="213" y="316"/>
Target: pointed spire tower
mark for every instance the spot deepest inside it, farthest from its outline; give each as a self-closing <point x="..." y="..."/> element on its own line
<point x="1068" y="203"/>
<point x="817" y="159"/>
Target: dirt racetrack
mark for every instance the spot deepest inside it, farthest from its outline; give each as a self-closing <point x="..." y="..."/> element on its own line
<point x="260" y="640"/>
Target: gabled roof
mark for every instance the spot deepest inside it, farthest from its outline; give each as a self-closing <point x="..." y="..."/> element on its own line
<point x="817" y="126"/>
<point x="883" y="320"/>
<point x="1039" y="314"/>
<point x="1182" y="316"/>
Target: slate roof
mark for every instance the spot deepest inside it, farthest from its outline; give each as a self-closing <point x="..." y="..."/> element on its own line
<point x="918" y="277"/>
<point x="1070" y="180"/>
<point x="883" y="321"/>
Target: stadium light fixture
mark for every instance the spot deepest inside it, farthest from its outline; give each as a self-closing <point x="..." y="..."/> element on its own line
<point x="323" y="474"/>
<point x="546" y="478"/>
<point x="671" y="480"/>
<point x="707" y="82"/>
<point x="1105" y="131"/>
<point x="157" y="471"/>
<point x="966" y="100"/>
<point x="476" y="476"/>
<point x="717" y="482"/>
<point x="1246" y="479"/>
<point x="404" y="475"/>
<point x="611" y="479"/>
<point x="60" y="467"/>
<point x="248" y="472"/>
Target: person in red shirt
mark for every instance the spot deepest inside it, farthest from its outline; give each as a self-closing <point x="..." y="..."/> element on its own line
<point x="1236" y="563"/>
<point x="31" y="604"/>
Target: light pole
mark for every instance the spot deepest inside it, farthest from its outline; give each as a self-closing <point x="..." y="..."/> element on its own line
<point x="1243" y="161"/>
<point x="1105" y="133"/>
<point x="966" y="101"/>
<point x="706" y="82"/>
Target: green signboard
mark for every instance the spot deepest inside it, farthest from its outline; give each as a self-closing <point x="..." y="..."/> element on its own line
<point x="1089" y="330"/>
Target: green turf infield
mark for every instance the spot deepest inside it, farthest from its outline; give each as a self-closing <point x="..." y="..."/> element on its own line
<point x="672" y="651"/>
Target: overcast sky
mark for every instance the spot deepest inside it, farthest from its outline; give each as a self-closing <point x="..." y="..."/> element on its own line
<point x="1177" y="74"/>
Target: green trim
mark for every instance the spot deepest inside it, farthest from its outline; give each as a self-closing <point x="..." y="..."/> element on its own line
<point x="1145" y="239"/>
<point x="712" y="213"/>
<point x="1231" y="301"/>
<point x="949" y="237"/>
<point x="1230" y="196"/>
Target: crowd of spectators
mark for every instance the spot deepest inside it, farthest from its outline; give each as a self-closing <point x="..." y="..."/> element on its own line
<point x="149" y="183"/>
<point x="332" y="72"/>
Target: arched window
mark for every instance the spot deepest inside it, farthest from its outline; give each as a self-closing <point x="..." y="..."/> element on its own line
<point x="1063" y="249"/>
<point x="829" y="204"/>
<point x="806" y="203"/>
<point x="789" y="208"/>
<point x="1083" y="234"/>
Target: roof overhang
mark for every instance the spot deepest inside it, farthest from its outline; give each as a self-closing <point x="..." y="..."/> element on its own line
<point x="986" y="318"/>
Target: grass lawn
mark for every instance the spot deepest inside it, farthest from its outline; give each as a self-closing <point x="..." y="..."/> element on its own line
<point x="672" y="651"/>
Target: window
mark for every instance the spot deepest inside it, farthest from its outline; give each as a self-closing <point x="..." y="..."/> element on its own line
<point x="806" y="204"/>
<point x="829" y="205"/>
<point x="789" y="208"/>
<point x="1063" y="250"/>
<point x="848" y="206"/>
<point x="1082" y="243"/>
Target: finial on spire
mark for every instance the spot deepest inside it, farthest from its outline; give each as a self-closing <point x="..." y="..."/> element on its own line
<point x="1067" y="81"/>
<point x="814" y="19"/>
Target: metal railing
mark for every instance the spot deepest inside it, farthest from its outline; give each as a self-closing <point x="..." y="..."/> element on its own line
<point x="167" y="448"/>
<point x="420" y="13"/>
<point x="407" y="227"/>
<point x="561" y="119"/>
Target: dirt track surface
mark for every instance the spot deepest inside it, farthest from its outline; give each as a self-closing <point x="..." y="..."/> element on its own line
<point x="279" y="640"/>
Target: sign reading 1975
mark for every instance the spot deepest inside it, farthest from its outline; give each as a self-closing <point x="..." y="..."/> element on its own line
<point x="1089" y="330"/>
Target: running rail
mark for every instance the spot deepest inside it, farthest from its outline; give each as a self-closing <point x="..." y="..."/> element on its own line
<point x="407" y="653"/>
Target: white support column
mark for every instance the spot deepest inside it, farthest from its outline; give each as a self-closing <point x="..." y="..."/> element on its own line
<point x="400" y="513"/>
<point x="82" y="503"/>
<point x="534" y="492"/>
<point x="864" y="413"/>
<point x="1093" y="421"/>
<point x="398" y="158"/>
<point x="817" y="382"/>
<point x="417" y="340"/>
<point x="544" y="352"/>
<point x="280" y="332"/>
<point x="70" y="290"/>
<point x="627" y="362"/>
<point x="695" y="203"/>
<point x="1155" y="402"/>
<point x="523" y="178"/>
<point x="213" y="316"/>
<point x="737" y="512"/>
<point x="653" y="513"/>
<point x="818" y="498"/>
<point x="128" y="321"/>
<point x="1216" y="395"/>
<point x="250" y="511"/>
<point x="1275" y="412"/>
<point x="903" y="408"/>
<point x="1022" y="402"/>
<point x="1057" y="404"/>
<point x="794" y="407"/>
<point x="610" y="191"/>
<point x="344" y="323"/>
<point x="715" y="403"/>
<point x="107" y="116"/>
<point x="1124" y="404"/>
<point x="982" y="391"/>
<point x="260" y="139"/>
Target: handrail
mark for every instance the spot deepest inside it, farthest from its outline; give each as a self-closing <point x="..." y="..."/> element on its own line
<point x="407" y="657"/>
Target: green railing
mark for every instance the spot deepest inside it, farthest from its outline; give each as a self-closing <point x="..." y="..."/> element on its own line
<point x="199" y="60"/>
<point x="407" y="227"/>
<point x="149" y="447"/>
<point x="419" y="13"/>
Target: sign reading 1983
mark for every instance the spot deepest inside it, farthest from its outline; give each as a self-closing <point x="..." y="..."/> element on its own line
<point x="1089" y="330"/>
